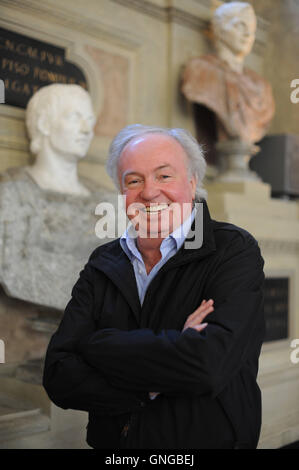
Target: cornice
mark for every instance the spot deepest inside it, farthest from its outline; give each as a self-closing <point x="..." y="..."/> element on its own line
<point x="70" y="19"/>
<point x="176" y="15"/>
<point x="94" y="28"/>
<point x="146" y="7"/>
<point x="167" y="14"/>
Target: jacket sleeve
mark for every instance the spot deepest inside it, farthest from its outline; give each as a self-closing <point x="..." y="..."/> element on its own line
<point x="193" y="362"/>
<point x="69" y="381"/>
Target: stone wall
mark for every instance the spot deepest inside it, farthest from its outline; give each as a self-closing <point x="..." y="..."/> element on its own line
<point x="281" y="59"/>
<point x="132" y="52"/>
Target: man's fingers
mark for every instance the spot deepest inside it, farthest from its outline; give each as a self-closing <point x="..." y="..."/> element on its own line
<point x="199" y="317"/>
<point x="201" y="312"/>
<point x="203" y="306"/>
<point x="200" y="327"/>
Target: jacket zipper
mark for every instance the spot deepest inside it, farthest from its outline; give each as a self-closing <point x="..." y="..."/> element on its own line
<point x="128" y="426"/>
<point x="125" y="429"/>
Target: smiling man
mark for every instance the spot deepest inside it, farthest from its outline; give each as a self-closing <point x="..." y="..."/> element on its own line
<point x="132" y="348"/>
<point x="154" y="178"/>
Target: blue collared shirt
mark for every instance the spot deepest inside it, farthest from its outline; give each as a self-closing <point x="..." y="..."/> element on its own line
<point x="169" y="247"/>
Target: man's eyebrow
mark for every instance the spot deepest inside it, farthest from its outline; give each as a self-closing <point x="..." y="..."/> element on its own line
<point x="127" y="173"/>
<point x="163" y="166"/>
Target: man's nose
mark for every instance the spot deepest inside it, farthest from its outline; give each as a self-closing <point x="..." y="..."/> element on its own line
<point x="150" y="190"/>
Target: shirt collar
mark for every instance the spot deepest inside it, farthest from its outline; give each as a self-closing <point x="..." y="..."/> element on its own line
<point x="180" y="234"/>
<point x="128" y="238"/>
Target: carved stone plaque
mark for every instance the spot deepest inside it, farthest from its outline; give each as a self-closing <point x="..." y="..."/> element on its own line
<point x="276" y="308"/>
<point x="27" y="64"/>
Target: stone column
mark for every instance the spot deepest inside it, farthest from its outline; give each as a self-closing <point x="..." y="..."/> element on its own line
<point x="234" y="156"/>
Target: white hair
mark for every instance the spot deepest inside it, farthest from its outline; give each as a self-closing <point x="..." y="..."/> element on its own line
<point x="194" y="152"/>
<point x="46" y="101"/>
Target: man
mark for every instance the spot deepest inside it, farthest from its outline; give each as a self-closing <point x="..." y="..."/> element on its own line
<point x="132" y="348"/>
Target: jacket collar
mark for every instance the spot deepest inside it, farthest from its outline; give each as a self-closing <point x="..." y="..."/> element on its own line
<point x="111" y="259"/>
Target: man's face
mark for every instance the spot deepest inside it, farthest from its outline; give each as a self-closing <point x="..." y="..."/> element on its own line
<point x="237" y="32"/>
<point x="153" y="173"/>
<point x="71" y="129"/>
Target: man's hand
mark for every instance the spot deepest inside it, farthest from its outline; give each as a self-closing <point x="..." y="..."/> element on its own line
<point x="195" y="319"/>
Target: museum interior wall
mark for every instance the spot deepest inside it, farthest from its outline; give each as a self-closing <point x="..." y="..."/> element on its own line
<point x="279" y="59"/>
<point x="133" y="54"/>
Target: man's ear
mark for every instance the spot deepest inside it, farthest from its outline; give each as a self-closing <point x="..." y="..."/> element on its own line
<point x="43" y="125"/>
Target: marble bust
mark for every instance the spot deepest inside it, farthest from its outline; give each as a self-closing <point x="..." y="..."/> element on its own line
<point x="47" y="213"/>
<point x="60" y="122"/>
<point x="241" y="100"/>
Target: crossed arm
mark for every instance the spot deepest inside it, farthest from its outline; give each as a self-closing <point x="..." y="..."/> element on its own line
<point x="68" y="379"/>
<point x="110" y="369"/>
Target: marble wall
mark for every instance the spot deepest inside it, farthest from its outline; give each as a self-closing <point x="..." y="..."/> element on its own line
<point x="133" y="52"/>
<point x="281" y="59"/>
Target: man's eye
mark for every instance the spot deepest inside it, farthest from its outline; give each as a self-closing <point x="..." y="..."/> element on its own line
<point x="129" y="183"/>
<point x="164" y="177"/>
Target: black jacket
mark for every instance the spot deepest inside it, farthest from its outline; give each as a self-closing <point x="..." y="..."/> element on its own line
<point x="108" y="352"/>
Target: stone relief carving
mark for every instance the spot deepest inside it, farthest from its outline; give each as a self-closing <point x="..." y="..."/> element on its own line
<point x="241" y="100"/>
<point x="47" y="213"/>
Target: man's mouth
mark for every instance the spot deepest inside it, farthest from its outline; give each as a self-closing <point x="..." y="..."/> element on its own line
<point x="155" y="208"/>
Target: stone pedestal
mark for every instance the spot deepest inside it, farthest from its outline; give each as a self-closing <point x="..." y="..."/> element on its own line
<point x="234" y="157"/>
<point x="275" y="225"/>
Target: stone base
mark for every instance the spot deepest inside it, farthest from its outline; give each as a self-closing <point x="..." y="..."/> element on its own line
<point x="252" y="189"/>
<point x="275" y="225"/>
<point x="31" y="371"/>
<point x="28" y="420"/>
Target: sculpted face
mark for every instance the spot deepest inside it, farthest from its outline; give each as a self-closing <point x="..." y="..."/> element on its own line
<point x="235" y="27"/>
<point x="153" y="174"/>
<point x="71" y="129"/>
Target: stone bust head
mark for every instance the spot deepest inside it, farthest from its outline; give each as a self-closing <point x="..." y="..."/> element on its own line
<point x="60" y="122"/>
<point x="234" y="27"/>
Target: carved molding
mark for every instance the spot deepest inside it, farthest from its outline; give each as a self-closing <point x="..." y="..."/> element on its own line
<point x="146" y="7"/>
<point x="12" y="112"/>
<point x="166" y="14"/>
<point x="14" y="143"/>
<point x="183" y="18"/>
<point x="69" y="19"/>
<point x="279" y="246"/>
<point x="175" y="15"/>
<point x="95" y="28"/>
